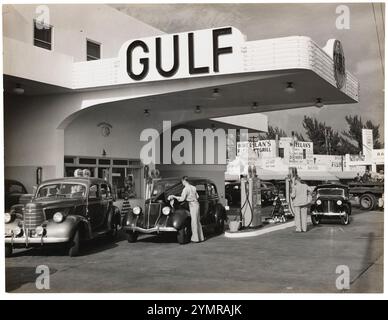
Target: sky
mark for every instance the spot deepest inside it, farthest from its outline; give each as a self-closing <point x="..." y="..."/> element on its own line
<point x="318" y="21"/>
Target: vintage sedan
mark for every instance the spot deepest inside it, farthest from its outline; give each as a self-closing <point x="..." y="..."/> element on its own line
<point x="331" y="201"/>
<point x="63" y="211"/>
<point x="161" y="215"/>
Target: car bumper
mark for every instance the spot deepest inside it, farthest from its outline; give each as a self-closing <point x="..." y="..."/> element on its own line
<point x="328" y="214"/>
<point x="34" y="240"/>
<point x="150" y="230"/>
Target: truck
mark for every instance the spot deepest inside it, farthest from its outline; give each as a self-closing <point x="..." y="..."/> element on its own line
<point x="370" y="195"/>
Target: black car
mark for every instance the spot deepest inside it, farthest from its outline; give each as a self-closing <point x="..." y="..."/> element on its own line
<point x="13" y="191"/>
<point x="233" y="193"/>
<point x="161" y="215"/>
<point x="62" y="212"/>
<point x="331" y="201"/>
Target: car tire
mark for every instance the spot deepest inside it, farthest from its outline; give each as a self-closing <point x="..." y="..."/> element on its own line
<point x="315" y="220"/>
<point x="367" y="201"/>
<point x="345" y="220"/>
<point x="74" y="245"/>
<point x="8" y="250"/>
<point x="220" y="227"/>
<point x="132" y="236"/>
<point x="184" y="235"/>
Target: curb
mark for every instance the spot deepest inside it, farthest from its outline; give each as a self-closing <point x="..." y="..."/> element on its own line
<point x="259" y="232"/>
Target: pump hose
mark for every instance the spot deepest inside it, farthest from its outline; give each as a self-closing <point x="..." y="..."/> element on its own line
<point x="245" y="203"/>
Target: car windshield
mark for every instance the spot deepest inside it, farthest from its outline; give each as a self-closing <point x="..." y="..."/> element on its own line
<point x="63" y="190"/>
<point x="161" y="186"/>
<point x="330" y="192"/>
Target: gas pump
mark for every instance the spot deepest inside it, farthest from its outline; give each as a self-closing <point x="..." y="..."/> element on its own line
<point x="251" y="200"/>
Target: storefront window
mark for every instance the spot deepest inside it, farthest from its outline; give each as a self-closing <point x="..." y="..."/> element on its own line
<point x="124" y="175"/>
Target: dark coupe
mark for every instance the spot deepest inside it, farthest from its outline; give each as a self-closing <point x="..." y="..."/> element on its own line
<point x="331" y="201"/>
<point x="161" y="215"/>
<point x="62" y="211"/>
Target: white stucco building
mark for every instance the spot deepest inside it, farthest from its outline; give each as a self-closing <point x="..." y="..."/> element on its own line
<point x="81" y="82"/>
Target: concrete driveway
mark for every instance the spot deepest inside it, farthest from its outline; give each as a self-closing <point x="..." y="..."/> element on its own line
<point x="281" y="261"/>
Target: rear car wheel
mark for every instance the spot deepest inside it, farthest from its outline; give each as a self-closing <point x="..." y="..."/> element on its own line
<point x="184" y="235"/>
<point x="8" y="250"/>
<point x="345" y="219"/>
<point x="367" y="201"/>
<point x="74" y="245"/>
<point x="315" y="219"/>
<point x="132" y="236"/>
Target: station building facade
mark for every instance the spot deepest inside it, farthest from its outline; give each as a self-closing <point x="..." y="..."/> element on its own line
<point x="82" y="82"/>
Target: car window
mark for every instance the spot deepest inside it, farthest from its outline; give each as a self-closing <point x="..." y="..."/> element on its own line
<point x="93" y="191"/>
<point x="236" y="187"/>
<point x="201" y="189"/>
<point x="212" y="190"/>
<point x="16" y="188"/>
<point x="64" y="190"/>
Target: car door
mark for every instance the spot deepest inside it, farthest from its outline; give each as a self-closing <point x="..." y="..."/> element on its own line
<point x="203" y="206"/>
<point x="95" y="210"/>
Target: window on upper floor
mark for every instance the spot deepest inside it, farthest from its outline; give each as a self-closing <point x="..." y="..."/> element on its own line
<point x="43" y="35"/>
<point x="93" y="50"/>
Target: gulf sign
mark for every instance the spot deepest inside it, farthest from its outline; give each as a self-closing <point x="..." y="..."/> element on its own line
<point x="173" y="56"/>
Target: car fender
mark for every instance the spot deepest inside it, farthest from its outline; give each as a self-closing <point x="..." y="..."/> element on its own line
<point x="68" y="227"/>
<point x="220" y="212"/>
<point x="8" y="227"/>
<point x="114" y="215"/>
<point x="179" y="218"/>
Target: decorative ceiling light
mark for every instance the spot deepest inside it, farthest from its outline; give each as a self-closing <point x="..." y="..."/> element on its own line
<point x="319" y="103"/>
<point x="216" y="93"/>
<point x="18" y="89"/>
<point x="254" y="106"/>
<point x="146" y="113"/>
<point x="290" y="87"/>
<point x="198" y="109"/>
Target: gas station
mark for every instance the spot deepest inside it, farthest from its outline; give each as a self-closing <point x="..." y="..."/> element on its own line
<point x="62" y="112"/>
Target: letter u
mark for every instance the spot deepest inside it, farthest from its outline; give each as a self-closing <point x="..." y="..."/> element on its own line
<point x="175" y="67"/>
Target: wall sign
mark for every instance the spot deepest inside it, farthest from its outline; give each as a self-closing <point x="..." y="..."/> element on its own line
<point x="183" y="55"/>
<point x="334" y="49"/>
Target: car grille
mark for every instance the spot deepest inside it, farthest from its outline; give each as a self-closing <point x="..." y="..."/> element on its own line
<point x="151" y="214"/>
<point x="329" y="206"/>
<point x="33" y="215"/>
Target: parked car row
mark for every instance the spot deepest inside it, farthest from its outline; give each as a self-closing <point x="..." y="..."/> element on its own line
<point x="68" y="211"/>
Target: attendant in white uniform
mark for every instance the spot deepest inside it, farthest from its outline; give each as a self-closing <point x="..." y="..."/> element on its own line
<point x="189" y="194"/>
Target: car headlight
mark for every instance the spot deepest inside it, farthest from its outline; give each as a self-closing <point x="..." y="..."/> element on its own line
<point x="40" y="231"/>
<point x="319" y="202"/>
<point x="58" y="217"/>
<point x="166" y="211"/>
<point x="17" y="231"/>
<point x="339" y="202"/>
<point x="136" y="210"/>
<point x="7" y="217"/>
